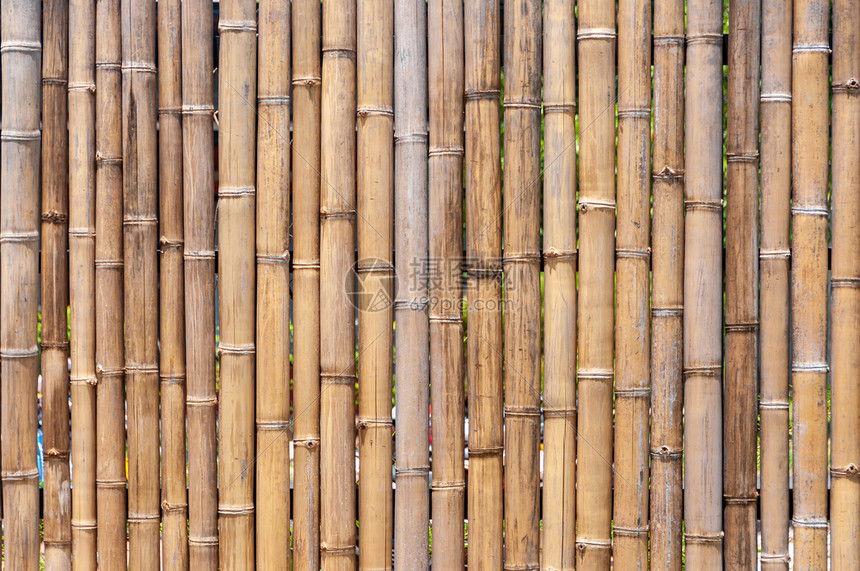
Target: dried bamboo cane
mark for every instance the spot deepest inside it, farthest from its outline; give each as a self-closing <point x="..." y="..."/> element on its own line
<point x="55" y="281"/>
<point x="667" y="289"/>
<point x="596" y="39"/>
<point x="174" y="499"/>
<point x="375" y="162"/>
<point x="703" y="276"/>
<point x="559" y="227"/>
<point x="306" y="34"/>
<point x="845" y="439"/>
<point x="521" y="260"/>
<point x="81" y="279"/>
<point x="632" y="325"/>
<point x="236" y="271"/>
<point x="741" y="328"/>
<point x="337" y="315"/>
<point x="484" y="292"/>
<point x="199" y="223"/>
<point x="412" y="336"/>
<point x="809" y="217"/>
<point x="445" y="271"/>
<point x="140" y="237"/>
<point x="273" y="288"/>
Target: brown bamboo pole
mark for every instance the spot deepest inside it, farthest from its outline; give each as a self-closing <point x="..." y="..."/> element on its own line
<point x="845" y="279"/>
<point x="306" y="34"/>
<point x="54" y="284"/>
<point x="236" y="271"/>
<point x="445" y="227"/>
<point x="703" y="283"/>
<point x="198" y="178"/>
<point x="667" y="287"/>
<point x="741" y="328"/>
<point x="484" y="281"/>
<point x="337" y="315"/>
<point x="273" y="288"/>
<point x="412" y="335"/>
<point x="632" y="316"/>
<point x="375" y="180"/>
<point x="596" y="40"/>
<point x="559" y="252"/>
<point x="809" y="219"/>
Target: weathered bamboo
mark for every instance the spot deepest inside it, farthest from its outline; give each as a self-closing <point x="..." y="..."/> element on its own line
<point x="306" y="34"/>
<point x="199" y="223"/>
<point x="140" y="237"/>
<point x="521" y="261"/>
<point x="273" y="288"/>
<point x="174" y="500"/>
<point x="559" y="252"/>
<point x="236" y="279"/>
<point x="81" y="279"/>
<point x="337" y="314"/>
<point x="445" y="271"/>
<point x="845" y="436"/>
<point x="484" y="284"/>
<point x="703" y="277"/>
<point x="741" y="328"/>
<point x="374" y="270"/>
<point x="596" y="40"/>
<point x="667" y="289"/>
<point x="54" y="284"/>
<point x="412" y="336"/>
<point x="632" y="316"/>
<point x="809" y="218"/>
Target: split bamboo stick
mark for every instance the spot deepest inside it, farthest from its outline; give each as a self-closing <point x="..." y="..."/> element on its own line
<point x="54" y="284"/>
<point x="484" y="283"/>
<point x="445" y="273"/>
<point x="236" y="275"/>
<point x="559" y="252"/>
<point x="273" y="288"/>
<point x="412" y="335"/>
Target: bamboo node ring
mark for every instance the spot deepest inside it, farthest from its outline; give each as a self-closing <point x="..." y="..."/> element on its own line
<point x="522" y="567"/>
<point x="750" y="157"/>
<point x="773" y="404"/>
<point x="485" y="450"/>
<point x="308" y="443"/>
<point x="306" y="265"/>
<point x="810" y="48"/>
<point x="775" y="98"/>
<point x="24" y="237"/>
<point x="334" y="550"/>
<point x="630" y="531"/>
<point x="446" y="151"/>
<point x="476" y="94"/>
<point x="107" y="483"/>
<point x="562" y="413"/>
<point x="521" y="258"/>
<point x="706" y="205"/>
<point x="374" y="267"/>
<point x="512" y="103"/>
<point x="365" y="423"/>
<point x="810" y="368"/>
<point x="307" y="80"/>
<point x="851" y="87"/>
<point x="170" y="243"/>
<point x="644" y="253"/>
<point x="632" y="392"/>
<point x="236" y="511"/>
<point x="522" y="411"/>
<point x="337" y="214"/>
<point x="596" y="34"/>
<point x="774" y="253"/>
<point x="137" y="66"/>
<point x="452" y="319"/>
<point x="199" y="255"/>
<point x="665" y="453"/>
<point x="845" y="282"/>
<point x="337" y="379"/>
<point x="54" y="81"/>
<point x="338" y="52"/>
<point x="228" y="349"/>
<point x="58" y="454"/>
<point x="411" y="139"/>
<point x="703" y="371"/>
<point x="141" y="369"/>
<point x="54" y="217"/>
<point x="749" y="326"/>
<point x="103" y="159"/>
<point x="105" y="373"/>
<point x="54" y="344"/>
<point x="273" y="100"/>
<point x="84" y="525"/>
<point x="566" y="107"/>
<point x="704" y="537"/>
<point x="84" y="233"/>
<point x="810" y="523"/>
<point x="109" y="65"/>
<point x="669" y="174"/>
<point x="442" y="486"/>
<point x="553" y="255"/>
<point x="781" y="557"/>
<point x="635" y="113"/>
<point x="595" y="375"/>
<point x="21" y="46"/>
<point x="19" y="353"/>
<point x="56" y="542"/>
<point x="713" y="38"/>
<point x="273" y="425"/>
<point x="201" y="401"/>
<point x="24" y="136"/>
<point x="585" y="204"/>
<point x="91" y="380"/>
<point x="850" y="471"/>
<point x="142" y="519"/>
<point x="168" y="507"/>
<point x="668" y="39"/>
<point x="594" y="543"/>
<point x="422" y="471"/>
<point x="668" y="311"/>
<point x="20" y="475"/>
<point x="740" y="500"/>
<point x="237" y="26"/>
<point x="368" y="110"/>
<point x="140" y="221"/>
<point x="202" y="540"/>
<point x="415" y="304"/>
<point x="198" y="109"/>
<point x="172" y="378"/>
<point x="275" y="259"/>
<point x="170" y="110"/>
<point x="236" y="191"/>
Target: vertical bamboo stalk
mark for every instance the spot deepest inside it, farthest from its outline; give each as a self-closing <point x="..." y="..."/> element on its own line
<point x="741" y="328"/>
<point x="236" y="271"/>
<point x="375" y="162"/>
<point x="667" y="289"/>
<point x="412" y="335"/>
<point x="54" y="284"/>
<point x="445" y="271"/>
<point x="845" y="436"/>
<point x="703" y="283"/>
<point x="484" y="291"/>
<point x="559" y="252"/>
<point x="273" y="288"/>
<point x="199" y="223"/>
<point x="337" y="316"/>
<point x="596" y="39"/>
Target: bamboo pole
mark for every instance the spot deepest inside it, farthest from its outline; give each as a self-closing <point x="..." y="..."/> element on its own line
<point x="445" y="228"/>
<point x="741" y="328"/>
<point x="54" y="284"/>
<point x="484" y="291"/>
<point x="667" y="289"/>
<point x="306" y="33"/>
<point x="337" y="317"/>
<point x="703" y="275"/>
<point x="375" y="162"/>
<point x="199" y="222"/>
<point x="236" y="271"/>
<point x="845" y="436"/>
<point x="596" y="39"/>
<point x="273" y="288"/>
<point x="559" y="251"/>
<point x="412" y="335"/>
